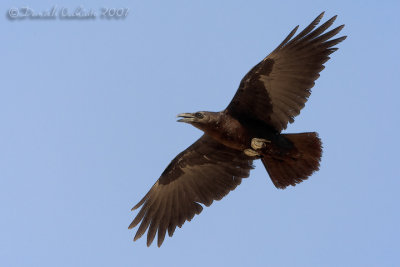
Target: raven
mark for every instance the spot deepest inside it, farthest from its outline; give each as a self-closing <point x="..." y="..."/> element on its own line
<point x="269" y="97"/>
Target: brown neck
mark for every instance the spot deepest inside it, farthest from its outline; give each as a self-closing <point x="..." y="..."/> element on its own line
<point x="227" y="130"/>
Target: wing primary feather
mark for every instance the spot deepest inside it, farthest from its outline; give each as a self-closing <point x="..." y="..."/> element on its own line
<point x="286" y="39"/>
<point x="326" y="36"/>
<point x="144" y="209"/>
<point x="320" y="29"/>
<point x="333" y="42"/>
<point x="138" y="218"/>
<point x="309" y="28"/>
<point x="141" y="201"/>
<point x="174" y="214"/>
<point x="151" y="233"/>
<point x="164" y="220"/>
<point x="147" y="219"/>
<point x="140" y="231"/>
<point x="161" y="236"/>
<point x="181" y="205"/>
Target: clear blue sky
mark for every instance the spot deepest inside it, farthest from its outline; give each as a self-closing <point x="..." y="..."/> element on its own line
<point x="87" y="125"/>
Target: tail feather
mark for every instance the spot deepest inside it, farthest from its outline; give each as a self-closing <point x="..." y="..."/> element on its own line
<point x="298" y="164"/>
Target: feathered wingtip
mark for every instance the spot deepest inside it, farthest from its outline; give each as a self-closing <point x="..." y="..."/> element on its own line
<point x="314" y="36"/>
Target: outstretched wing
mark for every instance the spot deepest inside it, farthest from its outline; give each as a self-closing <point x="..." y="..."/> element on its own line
<point x="204" y="172"/>
<point x="277" y="88"/>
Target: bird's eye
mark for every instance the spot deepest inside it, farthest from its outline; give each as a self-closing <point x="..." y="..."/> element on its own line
<point x="199" y="115"/>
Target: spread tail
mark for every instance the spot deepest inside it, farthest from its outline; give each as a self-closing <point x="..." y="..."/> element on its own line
<point x="298" y="164"/>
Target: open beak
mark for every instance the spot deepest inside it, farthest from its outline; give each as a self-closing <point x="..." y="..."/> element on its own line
<point x="186" y="117"/>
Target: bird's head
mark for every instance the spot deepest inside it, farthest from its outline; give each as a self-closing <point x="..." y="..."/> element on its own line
<point x="201" y="119"/>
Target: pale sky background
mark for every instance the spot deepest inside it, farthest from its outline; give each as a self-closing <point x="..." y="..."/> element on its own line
<point x="87" y="125"/>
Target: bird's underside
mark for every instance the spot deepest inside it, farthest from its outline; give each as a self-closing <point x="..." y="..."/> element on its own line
<point x="270" y="95"/>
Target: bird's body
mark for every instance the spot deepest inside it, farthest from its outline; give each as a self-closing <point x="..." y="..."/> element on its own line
<point x="229" y="131"/>
<point x="270" y="95"/>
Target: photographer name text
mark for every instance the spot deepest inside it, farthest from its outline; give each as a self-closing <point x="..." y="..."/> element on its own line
<point x="26" y="12"/>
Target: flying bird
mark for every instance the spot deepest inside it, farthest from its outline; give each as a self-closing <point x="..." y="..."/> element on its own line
<point x="269" y="97"/>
